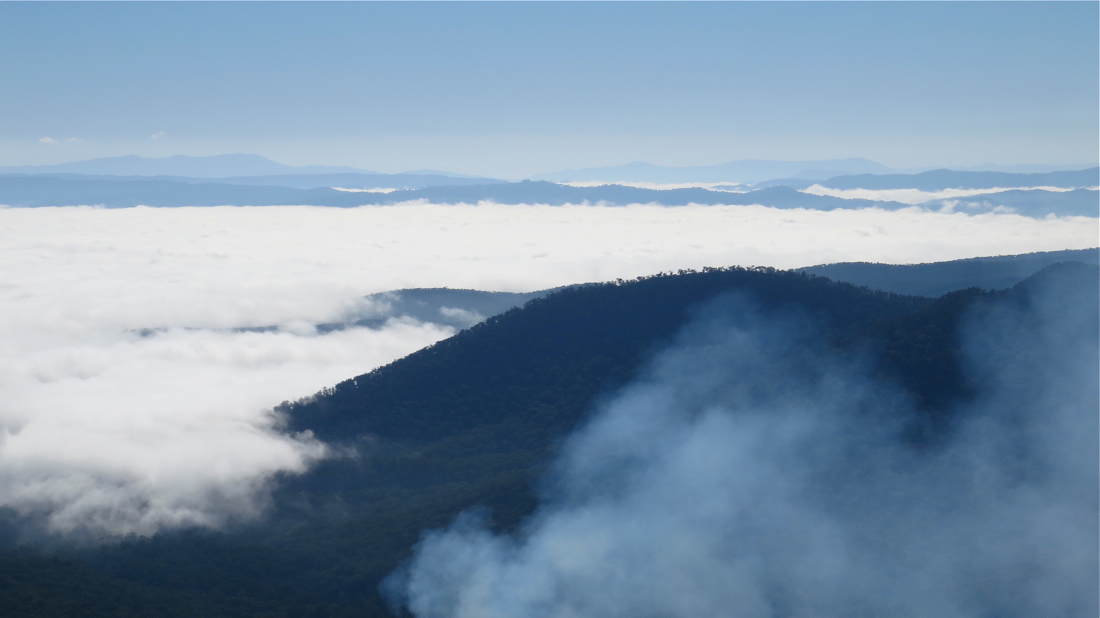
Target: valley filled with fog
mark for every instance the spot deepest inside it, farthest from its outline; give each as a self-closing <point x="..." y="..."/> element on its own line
<point x="145" y="348"/>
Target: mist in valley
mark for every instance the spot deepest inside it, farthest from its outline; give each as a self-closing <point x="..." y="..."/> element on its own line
<point x="145" y="348"/>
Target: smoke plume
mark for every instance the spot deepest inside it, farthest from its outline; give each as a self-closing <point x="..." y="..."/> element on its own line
<point x="751" y="472"/>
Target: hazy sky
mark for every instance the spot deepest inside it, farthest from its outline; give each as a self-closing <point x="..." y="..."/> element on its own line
<point x="515" y="89"/>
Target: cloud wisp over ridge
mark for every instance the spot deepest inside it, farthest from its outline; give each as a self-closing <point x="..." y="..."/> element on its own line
<point x="751" y="473"/>
<point x="916" y="196"/>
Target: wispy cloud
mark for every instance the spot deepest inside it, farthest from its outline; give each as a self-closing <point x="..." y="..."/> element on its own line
<point x="916" y="196"/>
<point x="47" y="140"/>
<point x="159" y="135"/>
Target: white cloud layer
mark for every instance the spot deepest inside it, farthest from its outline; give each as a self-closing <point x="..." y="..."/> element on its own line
<point x="734" y="187"/>
<point x="107" y="428"/>
<point x="915" y="196"/>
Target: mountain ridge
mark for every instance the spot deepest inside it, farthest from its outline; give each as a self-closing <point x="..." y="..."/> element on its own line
<point x="745" y="171"/>
<point x="940" y="179"/>
<point x="36" y="191"/>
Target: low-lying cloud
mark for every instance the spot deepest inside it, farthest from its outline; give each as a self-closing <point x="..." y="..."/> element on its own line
<point x="751" y="474"/>
<point x="133" y="399"/>
<point x="125" y="432"/>
<point x="734" y="187"/>
<point x="915" y="196"/>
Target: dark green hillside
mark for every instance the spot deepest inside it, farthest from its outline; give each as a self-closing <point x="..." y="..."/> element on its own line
<point x="937" y="180"/>
<point x="472" y="420"/>
<point x="541" y="365"/>
<point x="35" y="587"/>
<point x="475" y="419"/>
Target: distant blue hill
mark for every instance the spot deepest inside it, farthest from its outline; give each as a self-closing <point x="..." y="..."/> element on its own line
<point x="938" y="180"/>
<point x="443" y="173"/>
<point x="1031" y="203"/>
<point x="746" y="171"/>
<point x="22" y="190"/>
<point x="47" y="190"/>
<point x="216" y="166"/>
<point x="542" y="192"/>
<point x="1023" y="168"/>
<point x="938" y="278"/>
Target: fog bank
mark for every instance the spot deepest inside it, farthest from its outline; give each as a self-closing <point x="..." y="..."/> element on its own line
<point x="134" y="401"/>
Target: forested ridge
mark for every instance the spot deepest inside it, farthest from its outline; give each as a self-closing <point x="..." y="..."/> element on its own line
<point x="473" y="421"/>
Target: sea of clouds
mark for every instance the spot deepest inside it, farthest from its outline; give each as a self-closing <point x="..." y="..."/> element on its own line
<point x="142" y="349"/>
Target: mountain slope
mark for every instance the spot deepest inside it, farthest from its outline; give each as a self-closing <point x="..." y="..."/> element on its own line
<point x="475" y="419"/>
<point x="558" y="341"/>
<point x="938" y="278"/>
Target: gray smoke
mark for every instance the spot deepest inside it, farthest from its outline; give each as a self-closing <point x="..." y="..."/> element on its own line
<point x="751" y="473"/>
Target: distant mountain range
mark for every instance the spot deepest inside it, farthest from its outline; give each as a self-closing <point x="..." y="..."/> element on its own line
<point x="38" y="190"/>
<point x="444" y="173"/>
<point x="1023" y="168"/>
<point x="320" y="186"/>
<point x="938" y="180"/>
<point x="22" y="190"/>
<point x="1028" y="202"/>
<point x="746" y="171"/>
<point x="798" y="174"/>
<point x="351" y="181"/>
<point x="216" y="166"/>
<point x="938" y="278"/>
<point x="248" y="169"/>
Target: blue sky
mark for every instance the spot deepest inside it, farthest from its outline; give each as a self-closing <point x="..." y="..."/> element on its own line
<point x="512" y="89"/>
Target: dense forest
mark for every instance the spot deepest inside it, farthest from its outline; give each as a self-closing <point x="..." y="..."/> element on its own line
<point x="474" y="420"/>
